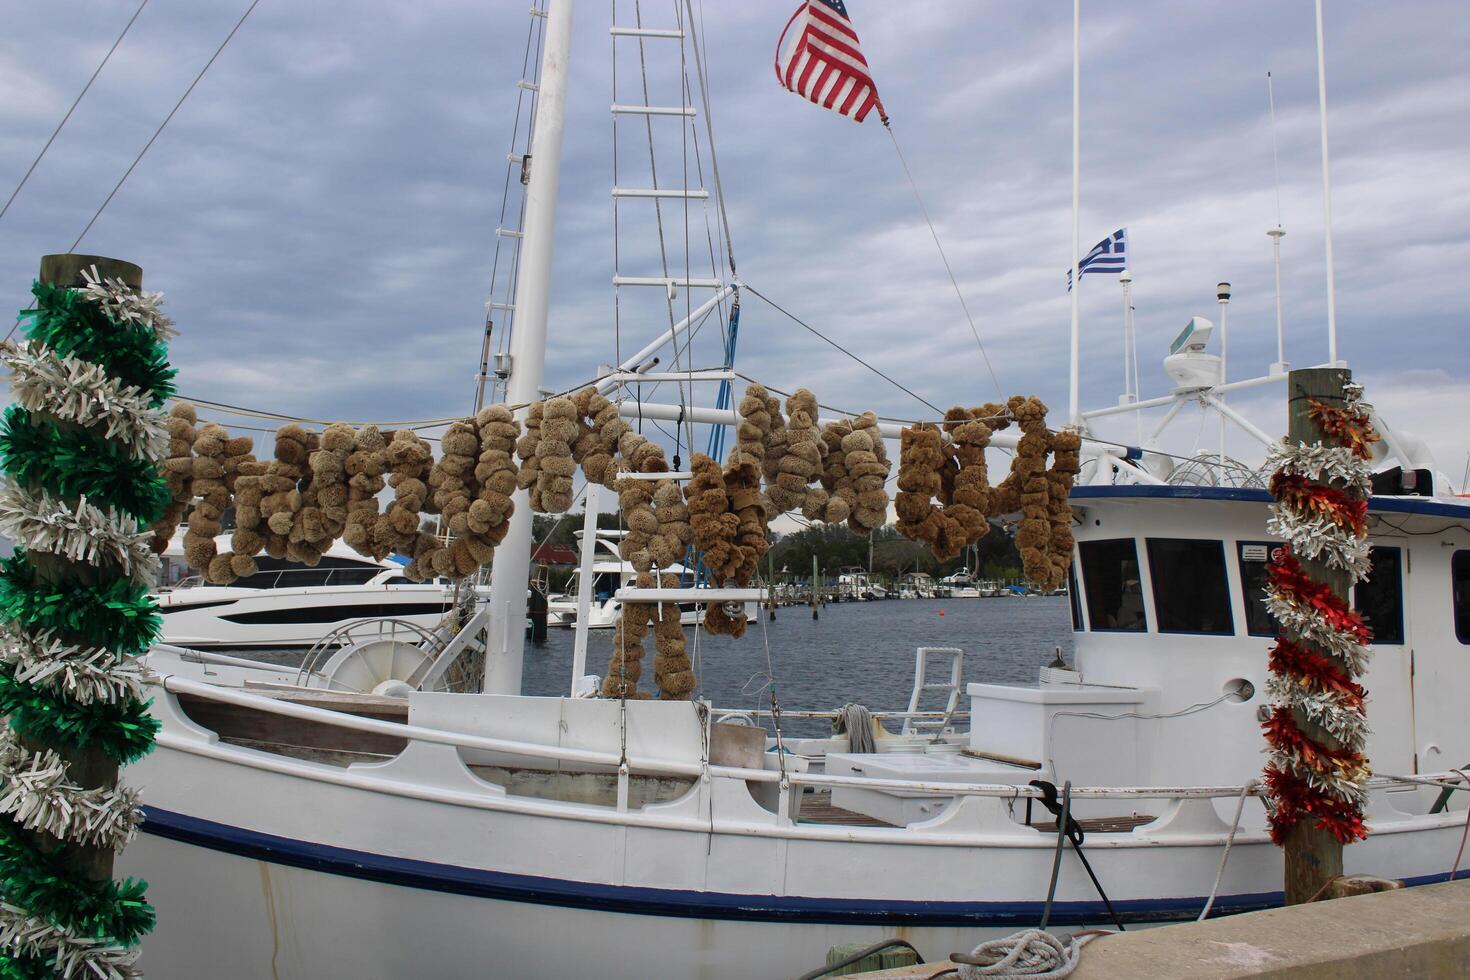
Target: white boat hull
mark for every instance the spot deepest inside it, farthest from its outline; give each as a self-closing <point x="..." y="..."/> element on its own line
<point x="418" y="866"/>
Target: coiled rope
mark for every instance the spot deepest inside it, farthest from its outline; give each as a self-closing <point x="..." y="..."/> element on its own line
<point x="1029" y="953"/>
<point x="857" y="721"/>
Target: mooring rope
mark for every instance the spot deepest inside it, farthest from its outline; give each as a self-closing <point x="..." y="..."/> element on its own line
<point x="1029" y="953"/>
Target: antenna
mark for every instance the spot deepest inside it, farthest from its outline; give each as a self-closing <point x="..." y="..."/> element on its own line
<point x="1280" y="367"/>
<point x="1326" y="194"/>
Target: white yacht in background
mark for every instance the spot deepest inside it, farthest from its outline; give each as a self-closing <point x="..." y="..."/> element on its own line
<point x="288" y="605"/>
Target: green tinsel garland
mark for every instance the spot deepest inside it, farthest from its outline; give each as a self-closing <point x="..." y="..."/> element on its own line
<point x="25" y="968"/>
<point x="76" y="463"/>
<point x="71" y="324"/>
<point x="121" y="730"/>
<point x="40" y="884"/>
<point x="118" y="615"/>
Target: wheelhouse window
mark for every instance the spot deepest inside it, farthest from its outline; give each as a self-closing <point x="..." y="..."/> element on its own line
<point x="1113" y="584"/>
<point x="1191" y="590"/>
<point x="1380" y="596"/>
<point x="1255" y="562"/>
<point x="1073" y="599"/>
<point x="1460" y="593"/>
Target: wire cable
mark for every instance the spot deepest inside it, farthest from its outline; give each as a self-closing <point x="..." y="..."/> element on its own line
<point x="834" y="344"/>
<point x="127" y="173"/>
<point x="75" y="102"/>
<point x="943" y="258"/>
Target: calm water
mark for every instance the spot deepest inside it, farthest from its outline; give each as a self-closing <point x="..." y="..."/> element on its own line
<point x="855" y="651"/>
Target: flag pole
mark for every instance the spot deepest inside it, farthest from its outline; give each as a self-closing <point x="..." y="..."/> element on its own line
<point x="1075" y="385"/>
<point x="1326" y="194"/>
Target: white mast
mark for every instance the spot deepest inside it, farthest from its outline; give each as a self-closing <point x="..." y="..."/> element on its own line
<point x="1326" y="194"/>
<point x="1280" y="367"/>
<point x="1075" y="387"/>
<point x="528" y="346"/>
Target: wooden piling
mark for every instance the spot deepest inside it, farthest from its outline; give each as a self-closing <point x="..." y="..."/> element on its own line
<point x="89" y="768"/>
<point x="1313" y="857"/>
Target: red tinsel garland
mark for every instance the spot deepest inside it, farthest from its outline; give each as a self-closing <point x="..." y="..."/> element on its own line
<point x="1317" y="671"/>
<point x="1296" y="801"/>
<point x="1312" y="499"/>
<point x="1288" y="577"/>
<point x="1349" y="426"/>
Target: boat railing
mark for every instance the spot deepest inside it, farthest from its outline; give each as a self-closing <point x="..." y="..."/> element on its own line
<point x="174" y="684"/>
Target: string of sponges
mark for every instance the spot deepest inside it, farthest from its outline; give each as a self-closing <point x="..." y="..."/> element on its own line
<point x="319" y="487"/>
<point x="945" y="499"/>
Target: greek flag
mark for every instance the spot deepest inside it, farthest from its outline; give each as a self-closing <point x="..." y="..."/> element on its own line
<point x="1108" y="255"/>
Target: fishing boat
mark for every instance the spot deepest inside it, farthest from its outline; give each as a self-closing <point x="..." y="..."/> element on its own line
<point x="415" y="831"/>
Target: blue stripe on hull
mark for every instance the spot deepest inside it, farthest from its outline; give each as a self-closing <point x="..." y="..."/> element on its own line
<point x="665" y="902"/>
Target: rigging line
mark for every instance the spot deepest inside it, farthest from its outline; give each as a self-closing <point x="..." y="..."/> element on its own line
<point x="817" y="333"/>
<point x="77" y="101"/>
<point x="943" y="258"/>
<point x="709" y="128"/>
<point x="157" y="132"/>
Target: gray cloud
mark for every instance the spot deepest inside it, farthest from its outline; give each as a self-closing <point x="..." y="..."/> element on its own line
<point x="322" y="211"/>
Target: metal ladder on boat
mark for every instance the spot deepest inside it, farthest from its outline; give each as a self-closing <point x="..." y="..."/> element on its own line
<point x="952" y="687"/>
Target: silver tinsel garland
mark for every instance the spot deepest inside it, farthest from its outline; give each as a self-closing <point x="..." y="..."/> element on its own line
<point x="86" y="674"/>
<point x="1309" y="624"/>
<point x="1347" y="724"/>
<point x="127" y="305"/>
<point x="1321" y="464"/>
<point x="87" y="533"/>
<point x="77" y="957"/>
<point x="1319" y="538"/>
<point x="80" y="391"/>
<point x="37" y="793"/>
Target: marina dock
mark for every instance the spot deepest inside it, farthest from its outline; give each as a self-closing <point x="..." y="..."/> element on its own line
<point x="1411" y="932"/>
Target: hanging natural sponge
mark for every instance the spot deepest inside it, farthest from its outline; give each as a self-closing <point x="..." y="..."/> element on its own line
<point x="554" y="463"/>
<point x="713" y="525"/>
<point x="488" y="515"/>
<point x="743" y="486"/>
<point x="324" y="502"/>
<point x="867" y="466"/>
<point x="674" y="533"/>
<point x="208" y="485"/>
<point x="526" y="453"/>
<point x="629" y="630"/>
<point x="754" y="428"/>
<point x="920" y="458"/>
<point x="635" y="499"/>
<point x="177" y="469"/>
<point x="776" y="441"/>
<point x="364" y="468"/>
<point x="452" y="483"/>
<point x="409" y="458"/>
<point x="801" y="463"/>
<point x="672" y="671"/>
<point x="835" y="478"/>
<point x="717" y="622"/>
<point x="1066" y="464"/>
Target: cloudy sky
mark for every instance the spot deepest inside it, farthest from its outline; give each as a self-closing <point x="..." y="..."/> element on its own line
<point x="321" y="211"/>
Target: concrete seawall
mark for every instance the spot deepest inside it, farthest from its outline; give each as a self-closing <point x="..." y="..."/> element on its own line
<point x="1413" y="932"/>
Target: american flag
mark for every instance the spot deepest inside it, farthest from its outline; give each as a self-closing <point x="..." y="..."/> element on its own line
<point x="824" y="62"/>
<point x="1108" y="255"/>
